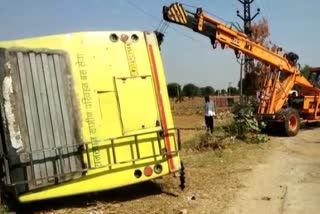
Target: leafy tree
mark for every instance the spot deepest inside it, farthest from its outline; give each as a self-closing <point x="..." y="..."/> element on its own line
<point x="249" y="84"/>
<point x="217" y="92"/>
<point x="207" y="91"/>
<point x="174" y="90"/>
<point x="305" y="71"/>
<point x="233" y="91"/>
<point x="223" y="92"/>
<point x="190" y="90"/>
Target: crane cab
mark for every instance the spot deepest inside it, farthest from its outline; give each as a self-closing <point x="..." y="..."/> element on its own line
<point x="314" y="76"/>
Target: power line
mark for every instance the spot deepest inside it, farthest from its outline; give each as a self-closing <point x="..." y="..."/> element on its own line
<point x="134" y="5"/>
<point x="156" y="18"/>
<point x="162" y="26"/>
<point x="266" y="8"/>
<point x="142" y="10"/>
<point x="260" y="4"/>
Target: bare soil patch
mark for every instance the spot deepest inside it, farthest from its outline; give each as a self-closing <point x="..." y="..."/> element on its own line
<point x="288" y="182"/>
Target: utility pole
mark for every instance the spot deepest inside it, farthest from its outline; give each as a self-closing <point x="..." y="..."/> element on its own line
<point x="229" y="88"/>
<point x="247" y="28"/>
<point x="241" y="82"/>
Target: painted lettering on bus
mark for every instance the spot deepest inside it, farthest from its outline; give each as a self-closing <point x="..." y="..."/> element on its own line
<point x="88" y="103"/>
<point x="131" y="58"/>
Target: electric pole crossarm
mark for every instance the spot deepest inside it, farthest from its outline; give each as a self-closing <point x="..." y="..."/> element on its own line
<point x="239" y="15"/>
<point x="257" y="13"/>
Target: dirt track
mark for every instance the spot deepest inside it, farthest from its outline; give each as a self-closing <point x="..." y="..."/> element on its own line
<point x="288" y="181"/>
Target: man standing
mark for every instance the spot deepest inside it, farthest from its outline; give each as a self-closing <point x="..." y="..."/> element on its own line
<point x="209" y="113"/>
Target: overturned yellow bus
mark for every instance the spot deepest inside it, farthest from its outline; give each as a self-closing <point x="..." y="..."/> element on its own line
<point x="83" y="112"/>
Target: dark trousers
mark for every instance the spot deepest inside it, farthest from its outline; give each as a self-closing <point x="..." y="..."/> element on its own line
<point x="209" y="123"/>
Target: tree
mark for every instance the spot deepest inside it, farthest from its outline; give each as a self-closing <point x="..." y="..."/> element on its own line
<point x="207" y="91"/>
<point x="174" y="90"/>
<point x="253" y="80"/>
<point x="233" y="91"/>
<point x="223" y="92"/>
<point x="190" y="90"/>
<point x="249" y="86"/>
<point x="305" y="71"/>
<point x="260" y="31"/>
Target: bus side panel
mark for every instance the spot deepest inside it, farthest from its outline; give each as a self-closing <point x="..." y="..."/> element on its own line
<point x="127" y="127"/>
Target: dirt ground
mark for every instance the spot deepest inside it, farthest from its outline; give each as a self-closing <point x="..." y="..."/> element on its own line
<point x="281" y="176"/>
<point x="288" y="181"/>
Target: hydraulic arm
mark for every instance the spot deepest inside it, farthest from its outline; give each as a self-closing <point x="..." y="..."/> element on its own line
<point x="284" y="72"/>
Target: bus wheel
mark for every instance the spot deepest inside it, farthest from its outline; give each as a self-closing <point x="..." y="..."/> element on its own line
<point x="291" y="122"/>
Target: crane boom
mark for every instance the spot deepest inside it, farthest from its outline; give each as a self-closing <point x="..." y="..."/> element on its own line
<point x="284" y="72"/>
<point x="218" y="32"/>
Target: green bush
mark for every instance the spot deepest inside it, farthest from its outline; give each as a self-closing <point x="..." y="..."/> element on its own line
<point x="244" y="125"/>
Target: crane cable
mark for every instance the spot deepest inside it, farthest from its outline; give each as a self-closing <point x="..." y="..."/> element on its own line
<point x="162" y="27"/>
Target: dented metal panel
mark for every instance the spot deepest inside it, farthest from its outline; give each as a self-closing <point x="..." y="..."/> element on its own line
<point x="38" y="113"/>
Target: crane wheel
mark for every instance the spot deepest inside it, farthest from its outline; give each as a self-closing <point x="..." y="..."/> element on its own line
<point x="291" y="122"/>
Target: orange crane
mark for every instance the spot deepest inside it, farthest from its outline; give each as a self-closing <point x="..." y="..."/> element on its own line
<point x="283" y="75"/>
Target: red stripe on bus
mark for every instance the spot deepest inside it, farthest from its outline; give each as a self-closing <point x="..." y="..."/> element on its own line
<point x="160" y="101"/>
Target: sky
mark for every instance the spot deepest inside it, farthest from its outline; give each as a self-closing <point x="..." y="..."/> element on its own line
<point x="187" y="56"/>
